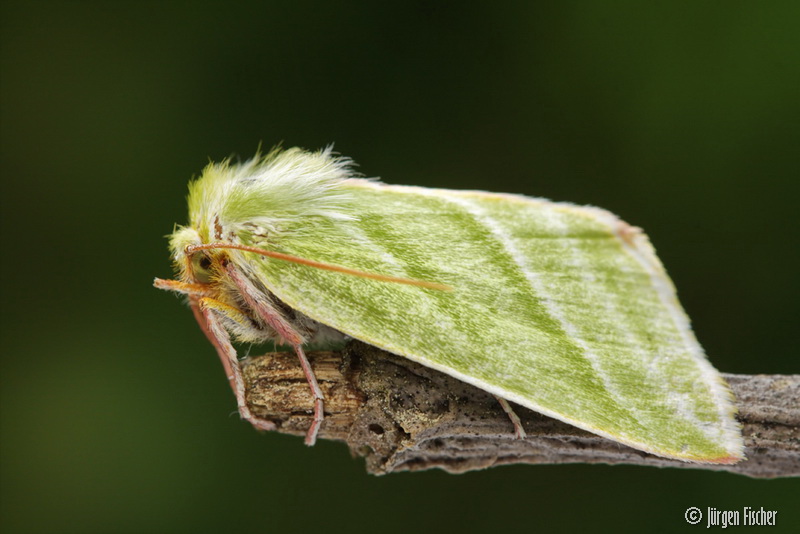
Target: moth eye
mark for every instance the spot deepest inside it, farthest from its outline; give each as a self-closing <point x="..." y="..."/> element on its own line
<point x="201" y="266"/>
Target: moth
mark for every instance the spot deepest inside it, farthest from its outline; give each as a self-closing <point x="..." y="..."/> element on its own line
<point x="559" y="308"/>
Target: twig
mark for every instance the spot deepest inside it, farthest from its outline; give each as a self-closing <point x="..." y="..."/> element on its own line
<point x="402" y="416"/>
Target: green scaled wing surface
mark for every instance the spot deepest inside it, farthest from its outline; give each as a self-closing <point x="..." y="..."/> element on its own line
<point x="562" y="309"/>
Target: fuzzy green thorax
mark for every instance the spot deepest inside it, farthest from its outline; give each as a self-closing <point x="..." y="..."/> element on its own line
<point x="263" y="198"/>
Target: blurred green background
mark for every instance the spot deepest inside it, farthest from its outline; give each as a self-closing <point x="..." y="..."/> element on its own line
<point x="683" y="118"/>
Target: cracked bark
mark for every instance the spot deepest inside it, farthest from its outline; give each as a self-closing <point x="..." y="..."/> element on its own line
<point x="402" y="416"/>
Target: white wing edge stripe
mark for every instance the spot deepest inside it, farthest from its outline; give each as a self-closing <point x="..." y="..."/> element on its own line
<point x="539" y="289"/>
<point x="642" y="252"/>
<point x="610" y="304"/>
<point x="731" y="437"/>
<point x="494" y="390"/>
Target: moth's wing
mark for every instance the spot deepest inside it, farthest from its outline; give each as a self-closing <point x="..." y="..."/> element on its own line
<point x="563" y="309"/>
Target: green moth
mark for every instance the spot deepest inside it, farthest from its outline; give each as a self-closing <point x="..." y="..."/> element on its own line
<point x="563" y="309"/>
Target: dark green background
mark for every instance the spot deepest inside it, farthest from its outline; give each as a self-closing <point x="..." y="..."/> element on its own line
<point x="684" y="119"/>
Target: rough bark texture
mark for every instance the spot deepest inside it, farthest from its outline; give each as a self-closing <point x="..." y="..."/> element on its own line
<point x="402" y="416"/>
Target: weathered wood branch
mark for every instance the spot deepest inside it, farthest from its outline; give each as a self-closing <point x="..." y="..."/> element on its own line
<point x="402" y="416"/>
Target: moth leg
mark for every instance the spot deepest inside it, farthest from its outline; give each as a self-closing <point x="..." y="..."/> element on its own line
<point x="194" y="304"/>
<point x="319" y="399"/>
<point x="519" y="432"/>
<point x="206" y="311"/>
<point x="256" y="301"/>
<point x="225" y="310"/>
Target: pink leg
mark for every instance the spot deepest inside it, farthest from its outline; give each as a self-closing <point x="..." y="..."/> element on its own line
<point x="219" y="337"/>
<point x="519" y="432"/>
<point x="261" y="305"/>
<point x="311" y="435"/>
<point x="201" y="320"/>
